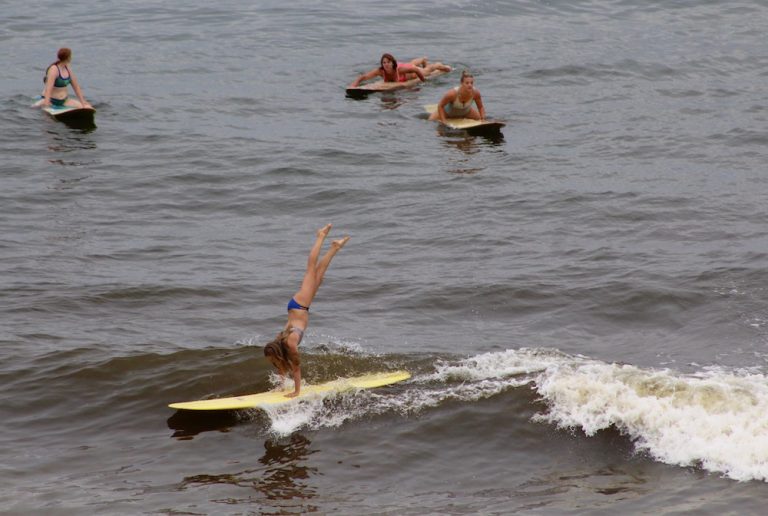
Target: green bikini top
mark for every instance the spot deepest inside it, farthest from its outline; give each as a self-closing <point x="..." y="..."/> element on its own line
<point x="60" y="82"/>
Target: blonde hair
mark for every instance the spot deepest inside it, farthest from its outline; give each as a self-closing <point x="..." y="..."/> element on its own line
<point x="279" y="351"/>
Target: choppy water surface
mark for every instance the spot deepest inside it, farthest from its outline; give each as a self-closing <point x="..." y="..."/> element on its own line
<point x="582" y="303"/>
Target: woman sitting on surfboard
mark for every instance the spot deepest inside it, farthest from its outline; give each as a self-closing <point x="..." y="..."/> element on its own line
<point x="457" y="103"/>
<point x="391" y="71"/>
<point x="283" y="352"/>
<point x="57" y="77"/>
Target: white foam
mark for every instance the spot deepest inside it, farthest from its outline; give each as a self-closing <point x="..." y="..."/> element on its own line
<point x="495" y="365"/>
<point x="480" y="377"/>
<point x="286" y="419"/>
<point x="317" y="412"/>
<point x="716" y="419"/>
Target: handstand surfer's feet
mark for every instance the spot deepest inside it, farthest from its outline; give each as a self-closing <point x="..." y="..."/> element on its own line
<point x="323" y="231"/>
<point x="338" y="244"/>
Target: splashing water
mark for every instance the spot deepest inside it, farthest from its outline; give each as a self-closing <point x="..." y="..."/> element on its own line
<point x="716" y="419"/>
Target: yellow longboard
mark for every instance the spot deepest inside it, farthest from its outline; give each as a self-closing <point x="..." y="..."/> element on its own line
<point x="272" y="398"/>
<point x="468" y="124"/>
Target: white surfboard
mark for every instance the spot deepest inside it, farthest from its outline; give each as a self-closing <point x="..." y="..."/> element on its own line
<point x="66" y="112"/>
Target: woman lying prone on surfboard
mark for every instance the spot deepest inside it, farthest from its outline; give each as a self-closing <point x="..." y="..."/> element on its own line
<point x="457" y="103"/>
<point x="283" y="352"/>
<point x="390" y="71"/>
<point x="57" y="77"/>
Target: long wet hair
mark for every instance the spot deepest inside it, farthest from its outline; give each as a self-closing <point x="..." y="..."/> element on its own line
<point x="465" y="74"/>
<point x="394" y="64"/>
<point x="278" y="351"/>
<point x="64" y="54"/>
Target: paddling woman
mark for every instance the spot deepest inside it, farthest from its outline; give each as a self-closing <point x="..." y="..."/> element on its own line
<point x="457" y="103"/>
<point x="392" y="71"/>
<point x="283" y="352"/>
<point x="57" y="77"/>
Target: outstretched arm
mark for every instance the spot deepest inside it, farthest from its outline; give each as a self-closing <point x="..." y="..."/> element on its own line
<point x="365" y="77"/>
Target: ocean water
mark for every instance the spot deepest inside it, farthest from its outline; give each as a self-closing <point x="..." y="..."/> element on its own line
<point x="582" y="303"/>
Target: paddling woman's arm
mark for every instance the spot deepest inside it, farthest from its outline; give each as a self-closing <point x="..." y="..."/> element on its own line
<point x="365" y="77"/>
<point x="480" y="107"/>
<point x="447" y="99"/>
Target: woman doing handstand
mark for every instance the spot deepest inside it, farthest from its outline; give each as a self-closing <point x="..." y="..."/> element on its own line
<point x="283" y="352"/>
